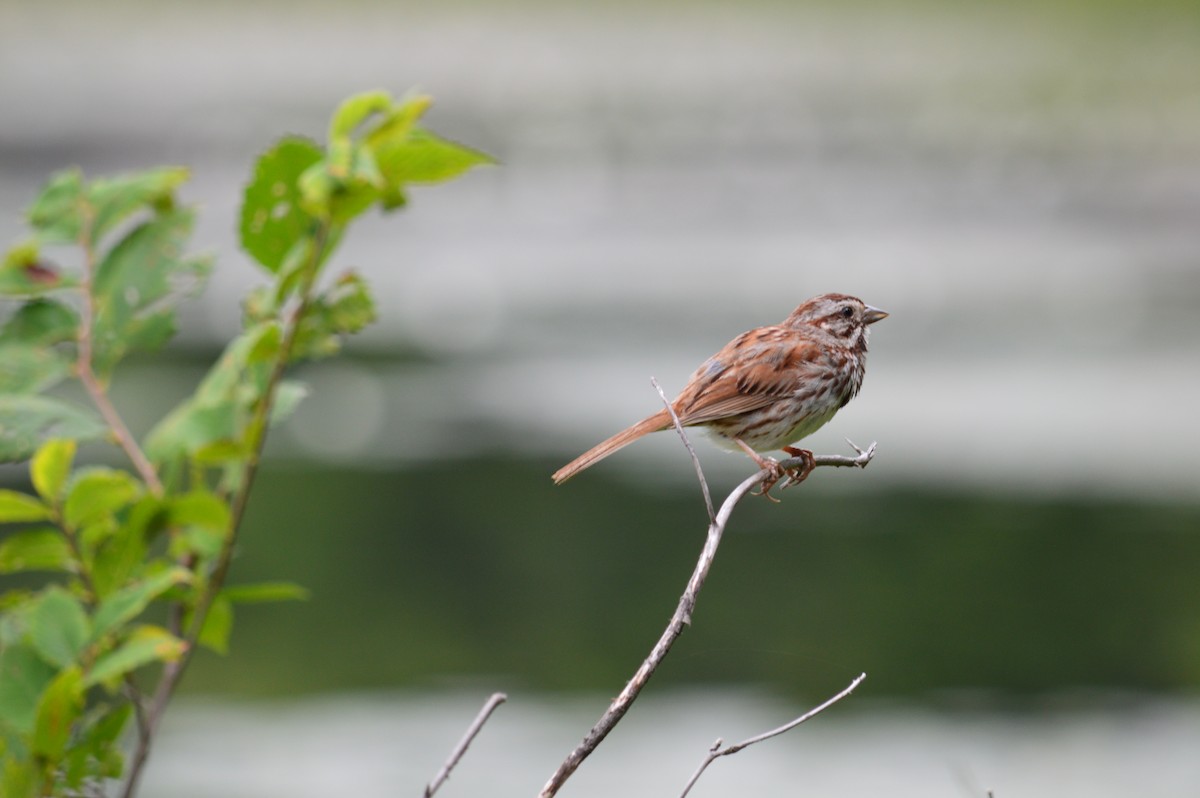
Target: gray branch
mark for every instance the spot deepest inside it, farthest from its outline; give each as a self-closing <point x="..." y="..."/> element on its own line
<point x="683" y="612"/>
<point x="718" y="751"/>
<point x="459" y="750"/>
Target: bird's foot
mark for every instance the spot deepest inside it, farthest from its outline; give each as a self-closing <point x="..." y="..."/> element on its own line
<point x="775" y="471"/>
<point x="799" y="473"/>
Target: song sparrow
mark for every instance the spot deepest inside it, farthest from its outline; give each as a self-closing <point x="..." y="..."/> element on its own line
<point x="768" y="387"/>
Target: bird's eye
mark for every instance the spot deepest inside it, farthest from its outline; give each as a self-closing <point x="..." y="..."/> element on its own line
<point x="847" y="312"/>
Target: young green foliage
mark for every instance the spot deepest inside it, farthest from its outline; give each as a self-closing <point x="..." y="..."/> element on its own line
<point x="78" y="657"/>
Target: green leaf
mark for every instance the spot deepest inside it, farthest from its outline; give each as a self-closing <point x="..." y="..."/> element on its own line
<point x="30" y="369"/>
<point x="114" y="199"/>
<point x="219" y="409"/>
<point x="190" y="427"/>
<point x="98" y="741"/>
<point x="218" y="625"/>
<point x="354" y="110"/>
<point x="23" y="677"/>
<point x="349" y="304"/>
<point x="288" y="395"/>
<point x="271" y="218"/>
<point x="57" y="213"/>
<point x="425" y="157"/>
<point x="264" y="592"/>
<point x="204" y="519"/>
<point x="199" y="508"/>
<point x="119" y="549"/>
<point x="24" y="273"/>
<point x="129" y="602"/>
<point x="144" y="645"/>
<point x="345" y="308"/>
<point x="16" y="507"/>
<point x="51" y="466"/>
<point x="397" y="123"/>
<point x="20" y="778"/>
<point x="26" y="421"/>
<point x="340" y="191"/>
<point x="98" y="492"/>
<point x="58" y="627"/>
<point x="137" y="285"/>
<point x="60" y="706"/>
<point x="41" y="322"/>
<point x="42" y="549"/>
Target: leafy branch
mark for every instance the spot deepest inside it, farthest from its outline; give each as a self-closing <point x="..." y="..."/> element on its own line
<point x="75" y="653"/>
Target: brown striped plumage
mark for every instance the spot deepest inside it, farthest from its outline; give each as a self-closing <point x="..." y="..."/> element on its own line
<point x="768" y="387"/>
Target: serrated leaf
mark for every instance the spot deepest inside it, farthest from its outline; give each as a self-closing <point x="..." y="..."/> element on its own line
<point x="137" y="285"/>
<point x="114" y="199"/>
<point x="60" y="706"/>
<point x="129" y="602"/>
<point x="23" y="677"/>
<point x="42" y="549"/>
<point x="41" y="322"/>
<point x="51" y="466"/>
<point x="146" y="644"/>
<point x="424" y="157"/>
<point x="264" y="592"/>
<point x="30" y="369"/>
<point x="57" y="212"/>
<point x="27" y="420"/>
<point x="17" y="507"/>
<point x="218" y="625"/>
<point x="97" y="492"/>
<point x="271" y="218"/>
<point x="58" y="627"/>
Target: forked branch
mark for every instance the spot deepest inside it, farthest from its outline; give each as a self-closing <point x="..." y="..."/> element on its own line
<point x="683" y="611"/>
<point x="718" y="751"/>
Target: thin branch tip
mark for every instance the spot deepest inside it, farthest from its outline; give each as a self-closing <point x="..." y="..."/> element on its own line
<point x="687" y="445"/>
<point x="472" y="731"/>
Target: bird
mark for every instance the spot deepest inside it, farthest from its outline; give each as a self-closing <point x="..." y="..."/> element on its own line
<point x="767" y="388"/>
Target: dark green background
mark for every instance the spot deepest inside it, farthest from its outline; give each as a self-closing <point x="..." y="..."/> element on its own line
<point x="483" y="570"/>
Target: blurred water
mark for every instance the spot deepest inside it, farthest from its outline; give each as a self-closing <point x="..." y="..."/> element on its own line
<point x="1019" y="187"/>
<point x="392" y="744"/>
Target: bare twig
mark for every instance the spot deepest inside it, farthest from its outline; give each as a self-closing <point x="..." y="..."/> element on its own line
<point x="688" y="445"/>
<point x="681" y="618"/>
<point x="718" y="751"/>
<point x="496" y="700"/>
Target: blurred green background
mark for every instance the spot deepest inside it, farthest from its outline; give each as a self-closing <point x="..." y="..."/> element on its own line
<point x="1017" y="184"/>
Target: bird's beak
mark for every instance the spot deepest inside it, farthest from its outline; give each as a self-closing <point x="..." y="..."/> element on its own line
<point x="873" y="315"/>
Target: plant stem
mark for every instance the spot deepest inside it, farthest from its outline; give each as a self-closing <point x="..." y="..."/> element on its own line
<point x="83" y="365"/>
<point x="257" y="436"/>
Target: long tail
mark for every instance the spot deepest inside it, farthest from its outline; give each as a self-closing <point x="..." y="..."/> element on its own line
<point x="656" y="422"/>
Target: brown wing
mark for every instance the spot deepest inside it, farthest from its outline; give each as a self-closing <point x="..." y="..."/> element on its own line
<point x="752" y="371"/>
